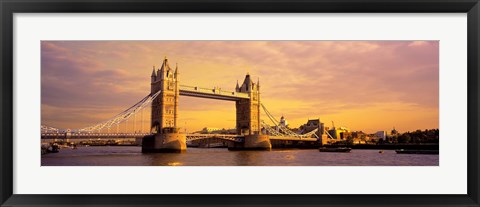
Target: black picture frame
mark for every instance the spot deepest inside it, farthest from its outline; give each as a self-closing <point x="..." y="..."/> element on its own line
<point x="10" y="7"/>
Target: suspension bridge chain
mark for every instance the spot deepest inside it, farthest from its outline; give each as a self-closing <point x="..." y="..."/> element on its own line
<point x="271" y="130"/>
<point x="275" y="121"/>
<point x="282" y="130"/>
<point x="48" y="129"/>
<point x="123" y="116"/>
<point x="274" y="132"/>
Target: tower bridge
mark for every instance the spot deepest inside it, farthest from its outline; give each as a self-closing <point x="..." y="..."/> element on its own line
<point x="165" y="92"/>
<point x="189" y="136"/>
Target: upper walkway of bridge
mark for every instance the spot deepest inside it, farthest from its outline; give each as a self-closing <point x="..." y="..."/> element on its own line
<point x="213" y="93"/>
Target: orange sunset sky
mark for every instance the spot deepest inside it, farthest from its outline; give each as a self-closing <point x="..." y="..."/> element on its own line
<point x="362" y="85"/>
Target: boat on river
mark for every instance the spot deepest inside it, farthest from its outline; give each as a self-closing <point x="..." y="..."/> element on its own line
<point x="337" y="149"/>
<point x="54" y="148"/>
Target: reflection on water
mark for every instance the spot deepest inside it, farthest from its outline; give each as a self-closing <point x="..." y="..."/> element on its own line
<point x="130" y="156"/>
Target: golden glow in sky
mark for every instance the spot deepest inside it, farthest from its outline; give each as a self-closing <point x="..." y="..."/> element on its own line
<point x="362" y="85"/>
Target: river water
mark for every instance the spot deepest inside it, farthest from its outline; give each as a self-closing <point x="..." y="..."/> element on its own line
<point x="132" y="156"/>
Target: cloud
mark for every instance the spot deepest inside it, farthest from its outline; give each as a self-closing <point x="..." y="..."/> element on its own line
<point x="418" y="43"/>
<point x="298" y="78"/>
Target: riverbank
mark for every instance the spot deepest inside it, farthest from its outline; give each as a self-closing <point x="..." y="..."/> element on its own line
<point x="396" y="146"/>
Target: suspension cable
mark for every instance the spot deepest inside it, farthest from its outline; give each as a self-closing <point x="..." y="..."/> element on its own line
<point x="123" y="116"/>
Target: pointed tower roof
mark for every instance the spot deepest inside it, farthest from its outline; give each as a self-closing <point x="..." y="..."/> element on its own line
<point x="247" y="83"/>
<point x="237" y="87"/>
<point x="165" y="65"/>
<point x="153" y="72"/>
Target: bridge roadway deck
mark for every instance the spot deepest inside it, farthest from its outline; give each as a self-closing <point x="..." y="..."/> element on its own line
<point x="293" y="138"/>
<point x="92" y="135"/>
<point x="190" y="137"/>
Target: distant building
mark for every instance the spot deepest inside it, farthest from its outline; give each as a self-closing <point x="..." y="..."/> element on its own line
<point x="283" y="122"/>
<point x="381" y="135"/>
<point x="224" y="131"/>
<point x="359" y="137"/>
<point x="311" y="125"/>
<point x="340" y="133"/>
<point x="394" y="132"/>
<point x="393" y="135"/>
<point x="208" y="130"/>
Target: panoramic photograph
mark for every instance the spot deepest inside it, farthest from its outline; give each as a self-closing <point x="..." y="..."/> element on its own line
<point x="239" y="103"/>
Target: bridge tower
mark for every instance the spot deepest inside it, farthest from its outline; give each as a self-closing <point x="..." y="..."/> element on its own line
<point x="165" y="106"/>
<point x="248" y="115"/>
<point x="248" y="110"/>
<point x="167" y="136"/>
